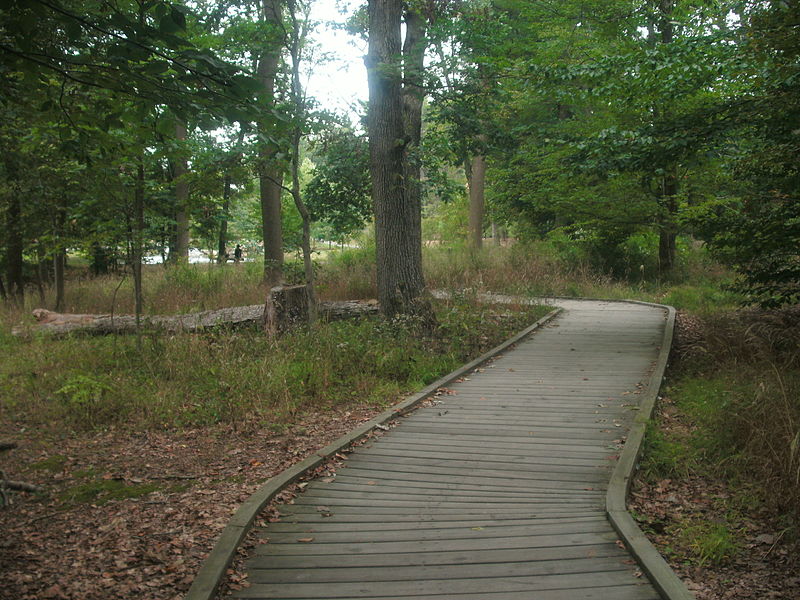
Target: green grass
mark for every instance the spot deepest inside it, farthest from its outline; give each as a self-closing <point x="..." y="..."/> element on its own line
<point x="708" y="542"/>
<point x="101" y="491"/>
<point x="171" y="381"/>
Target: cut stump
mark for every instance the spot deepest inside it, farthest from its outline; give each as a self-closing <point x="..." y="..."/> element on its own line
<point x="286" y="307"/>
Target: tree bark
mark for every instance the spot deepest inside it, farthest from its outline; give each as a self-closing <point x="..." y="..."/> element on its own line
<point x="270" y="173"/>
<point x="271" y="180"/>
<point x="59" y="268"/>
<point x="222" y="241"/>
<point x="181" y="251"/>
<point x="138" y="241"/>
<point x="477" y="186"/>
<point x="300" y="115"/>
<point x="394" y="126"/>
<point x="668" y="192"/>
<point x="668" y="227"/>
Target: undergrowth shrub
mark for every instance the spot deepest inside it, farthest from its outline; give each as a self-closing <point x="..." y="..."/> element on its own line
<point x="241" y="377"/>
<point x="738" y="383"/>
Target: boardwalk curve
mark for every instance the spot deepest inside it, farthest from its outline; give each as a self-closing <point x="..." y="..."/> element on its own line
<point x="496" y="491"/>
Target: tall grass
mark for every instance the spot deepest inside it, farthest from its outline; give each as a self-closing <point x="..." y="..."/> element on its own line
<point x="532" y="269"/>
<point x="243" y="377"/>
<point x="736" y="383"/>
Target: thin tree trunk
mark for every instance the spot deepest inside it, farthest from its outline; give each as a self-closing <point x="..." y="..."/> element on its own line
<point x="14" y="247"/>
<point x="299" y="101"/>
<point x="477" y="186"/>
<point x="668" y="227"/>
<point x="181" y="251"/>
<point x="60" y="253"/>
<point x="138" y="244"/>
<point x="222" y="242"/>
<point x="59" y="269"/>
<point x="270" y="173"/>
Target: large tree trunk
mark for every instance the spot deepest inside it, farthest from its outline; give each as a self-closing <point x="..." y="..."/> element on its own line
<point x="181" y="250"/>
<point x="477" y="185"/>
<point x="270" y="173"/>
<point x="271" y="180"/>
<point x="395" y="185"/>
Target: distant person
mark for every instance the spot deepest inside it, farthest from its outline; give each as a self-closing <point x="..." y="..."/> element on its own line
<point x="237" y="254"/>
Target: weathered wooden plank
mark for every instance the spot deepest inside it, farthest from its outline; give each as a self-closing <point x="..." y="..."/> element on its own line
<point x="473" y="532"/>
<point x="535" y="510"/>
<point x="530" y="449"/>
<point x="555" y="477"/>
<point x="379" y="490"/>
<point x="533" y="445"/>
<point x="587" y="436"/>
<point x="327" y="524"/>
<point x="441" y="558"/>
<point x="392" y="574"/>
<point x="514" y="462"/>
<point x="509" y="478"/>
<point x="448" y="482"/>
<point x="538" y="583"/>
<point x="461" y="545"/>
<point x="624" y="592"/>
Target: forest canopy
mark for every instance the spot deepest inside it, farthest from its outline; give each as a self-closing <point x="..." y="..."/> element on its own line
<point x="622" y="128"/>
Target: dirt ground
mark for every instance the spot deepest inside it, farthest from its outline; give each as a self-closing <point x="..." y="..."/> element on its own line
<point x="93" y="536"/>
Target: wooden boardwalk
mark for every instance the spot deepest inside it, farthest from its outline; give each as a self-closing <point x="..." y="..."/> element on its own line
<point x="496" y="491"/>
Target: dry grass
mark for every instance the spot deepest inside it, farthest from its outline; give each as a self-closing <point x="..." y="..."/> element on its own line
<point x="738" y="374"/>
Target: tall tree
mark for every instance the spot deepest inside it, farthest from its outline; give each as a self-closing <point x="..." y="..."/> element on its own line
<point x="270" y="169"/>
<point x="180" y="253"/>
<point x="394" y="72"/>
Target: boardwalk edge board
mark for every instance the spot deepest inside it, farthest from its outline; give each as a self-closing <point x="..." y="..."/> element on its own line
<point x="660" y="573"/>
<point x="214" y="568"/>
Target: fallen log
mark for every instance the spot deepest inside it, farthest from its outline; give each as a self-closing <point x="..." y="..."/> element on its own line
<point x="20" y="486"/>
<point x="57" y="324"/>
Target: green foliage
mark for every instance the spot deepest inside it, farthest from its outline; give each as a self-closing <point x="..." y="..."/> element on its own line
<point x="709" y="542"/>
<point x="666" y="456"/>
<point x="188" y="380"/>
<point x="141" y="51"/>
<point x="85" y="399"/>
<point x="101" y="491"/>
<point x="339" y="192"/>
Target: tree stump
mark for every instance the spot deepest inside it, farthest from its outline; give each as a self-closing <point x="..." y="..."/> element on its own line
<point x="286" y="307"/>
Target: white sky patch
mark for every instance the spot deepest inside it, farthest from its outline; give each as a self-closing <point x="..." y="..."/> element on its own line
<point x="337" y="77"/>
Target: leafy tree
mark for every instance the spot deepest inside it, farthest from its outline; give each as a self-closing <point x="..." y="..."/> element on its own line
<point x="757" y="226"/>
<point x="339" y="190"/>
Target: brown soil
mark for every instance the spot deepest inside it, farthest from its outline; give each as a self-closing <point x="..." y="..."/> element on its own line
<point x="151" y="546"/>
